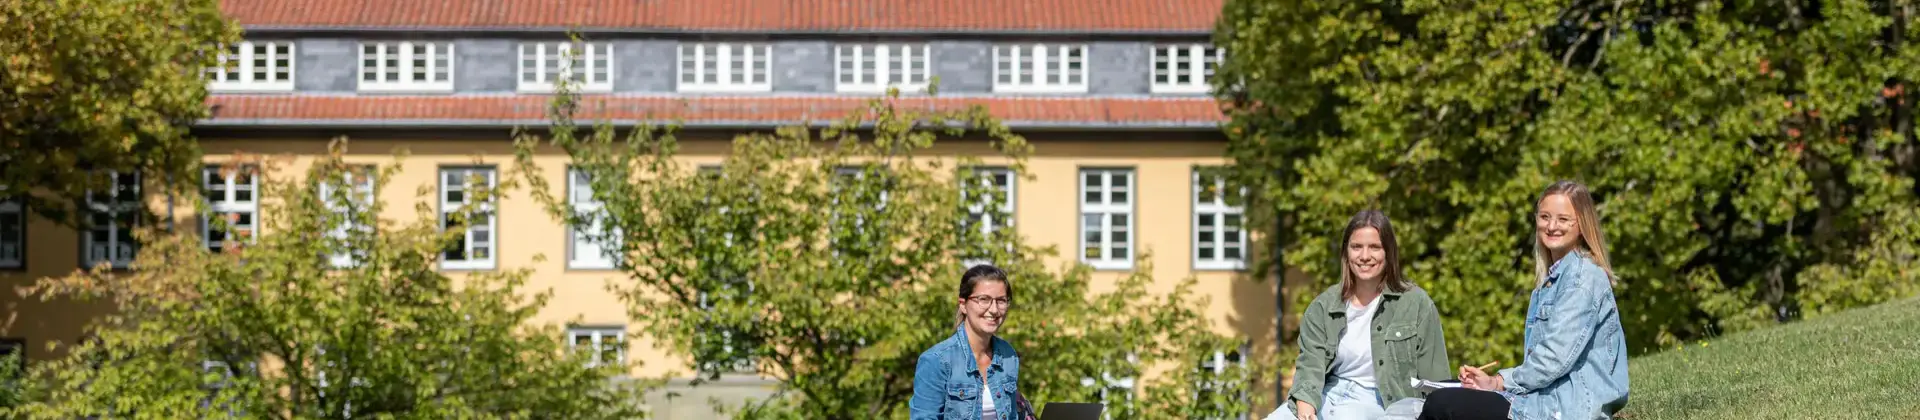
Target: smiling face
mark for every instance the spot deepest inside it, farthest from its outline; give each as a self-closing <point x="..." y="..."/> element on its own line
<point x="1366" y="254"/>
<point x="1556" y="225"/>
<point x="987" y="308"/>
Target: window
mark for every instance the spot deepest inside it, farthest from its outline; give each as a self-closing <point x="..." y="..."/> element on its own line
<point x="233" y="204"/>
<point x="1040" y="68"/>
<point x="475" y="249"/>
<point x="351" y="210"/>
<point x="851" y="184"/>
<point x="1106" y="218"/>
<point x="725" y="67"/>
<point x="253" y="66"/>
<point x="590" y="65"/>
<point x="991" y="208"/>
<point x="1213" y="380"/>
<point x="1184" y="68"/>
<point x="406" y="67"/>
<point x="594" y="247"/>
<point x="13" y="235"/>
<point x="1115" y="392"/>
<point x="871" y="68"/>
<point x="605" y="345"/>
<point x="16" y="348"/>
<point x="111" y="217"/>
<point x="1219" y="238"/>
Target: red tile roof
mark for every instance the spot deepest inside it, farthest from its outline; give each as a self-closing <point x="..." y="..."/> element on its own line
<point x="245" y="110"/>
<point x="738" y="15"/>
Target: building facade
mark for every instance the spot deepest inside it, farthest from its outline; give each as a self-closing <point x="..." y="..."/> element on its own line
<point x="1113" y="94"/>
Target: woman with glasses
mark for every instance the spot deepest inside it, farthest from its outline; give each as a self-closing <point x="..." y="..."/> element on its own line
<point x="1575" y="365"/>
<point x="972" y="375"/>
<point x="1363" y="341"/>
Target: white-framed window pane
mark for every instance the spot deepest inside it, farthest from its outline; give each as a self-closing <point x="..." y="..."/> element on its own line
<point x="593" y="245"/>
<point x="111" y="214"/>
<point x="406" y="66"/>
<point x="350" y="210"/>
<point x="1184" y="68"/>
<point x="232" y="205"/>
<point x="1106" y="213"/>
<point x="1220" y="239"/>
<point x="873" y="68"/>
<point x="604" y="345"/>
<point x="725" y="67"/>
<point x="475" y="249"/>
<point x="543" y="65"/>
<point x="1040" y="68"/>
<point x="13" y="235"/>
<point x="992" y="209"/>
<point x="253" y="66"/>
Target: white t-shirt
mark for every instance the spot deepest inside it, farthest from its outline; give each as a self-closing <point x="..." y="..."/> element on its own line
<point x="1354" y="360"/>
<point x="986" y="403"/>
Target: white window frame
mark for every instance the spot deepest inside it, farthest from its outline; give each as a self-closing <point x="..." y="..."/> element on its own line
<point x="239" y="63"/>
<point x="596" y="57"/>
<point x="119" y="255"/>
<point x="222" y="200"/>
<point x="401" y="52"/>
<point x="13" y="218"/>
<point x="1037" y="60"/>
<point x="447" y="208"/>
<point x="987" y="175"/>
<point x="598" y="337"/>
<point x="362" y="196"/>
<point x="1201" y="61"/>
<point x="887" y="60"/>
<point x="1219" y="209"/>
<point x="1106" y="398"/>
<point x="1105" y="209"/>
<point x="690" y="59"/>
<point x="582" y="252"/>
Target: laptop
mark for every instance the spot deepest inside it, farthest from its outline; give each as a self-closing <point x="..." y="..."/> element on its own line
<point x="1071" y="411"/>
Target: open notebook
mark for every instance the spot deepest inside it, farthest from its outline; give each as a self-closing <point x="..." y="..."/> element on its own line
<point x="1426" y="385"/>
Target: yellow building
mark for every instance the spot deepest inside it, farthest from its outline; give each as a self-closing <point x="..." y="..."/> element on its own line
<point x="1113" y="94"/>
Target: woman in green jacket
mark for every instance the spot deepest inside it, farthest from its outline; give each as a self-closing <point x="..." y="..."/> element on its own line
<point x="1363" y="341"/>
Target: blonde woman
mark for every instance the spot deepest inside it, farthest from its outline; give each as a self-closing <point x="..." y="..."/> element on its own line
<point x="1576" y="354"/>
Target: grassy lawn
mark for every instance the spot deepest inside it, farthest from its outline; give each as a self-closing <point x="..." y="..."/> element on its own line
<point x="1860" y="364"/>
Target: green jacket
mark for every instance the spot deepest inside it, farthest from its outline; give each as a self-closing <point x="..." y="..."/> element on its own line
<point x="1407" y="343"/>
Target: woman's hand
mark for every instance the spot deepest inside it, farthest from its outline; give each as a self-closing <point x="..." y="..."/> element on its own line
<point x="1473" y="377"/>
<point x="1304" y="411"/>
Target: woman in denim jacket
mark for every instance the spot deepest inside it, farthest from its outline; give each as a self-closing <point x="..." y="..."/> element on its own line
<point x="1576" y="355"/>
<point x="971" y="375"/>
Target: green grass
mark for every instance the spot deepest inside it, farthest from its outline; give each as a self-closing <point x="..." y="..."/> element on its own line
<point x="1859" y="364"/>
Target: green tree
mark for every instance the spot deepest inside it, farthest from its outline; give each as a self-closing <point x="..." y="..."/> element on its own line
<point x="331" y="313"/>
<point x="829" y="258"/>
<point x="1754" y="161"/>
<point x="88" y="86"/>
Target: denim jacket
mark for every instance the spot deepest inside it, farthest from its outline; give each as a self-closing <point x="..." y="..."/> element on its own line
<point x="946" y="382"/>
<point x="1575" y="366"/>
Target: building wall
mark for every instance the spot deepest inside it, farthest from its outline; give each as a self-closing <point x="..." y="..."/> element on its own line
<point x="1046" y="212"/>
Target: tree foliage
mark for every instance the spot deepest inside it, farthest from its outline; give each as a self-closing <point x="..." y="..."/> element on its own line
<point x="829" y="258"/>
<point x="1754" y="160"/>
<point x="94" y="85"/>
<point x="332" y="313"/>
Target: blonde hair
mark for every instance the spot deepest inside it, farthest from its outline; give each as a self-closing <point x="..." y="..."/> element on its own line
<point x="1592" y="242"/>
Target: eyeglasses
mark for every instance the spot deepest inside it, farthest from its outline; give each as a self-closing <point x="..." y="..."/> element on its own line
<point x="988" y="302"/>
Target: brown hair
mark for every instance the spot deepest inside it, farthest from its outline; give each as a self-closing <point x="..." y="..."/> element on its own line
<point x="1390" y="275"/>
<point x="1592" y="242"/>
<point x="972" y="278"/>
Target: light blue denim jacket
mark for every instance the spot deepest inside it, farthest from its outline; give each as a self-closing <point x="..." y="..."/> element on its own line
<point x="1576" y="357"/>
<point x="946" y="382"/>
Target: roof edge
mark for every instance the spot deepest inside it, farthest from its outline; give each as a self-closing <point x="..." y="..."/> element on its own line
<point x="299" y="29"/>
<point x="287" y="123"/>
